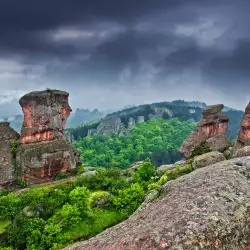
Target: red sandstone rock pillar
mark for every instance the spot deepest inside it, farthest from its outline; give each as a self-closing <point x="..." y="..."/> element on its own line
<point x="212" y="129"/>
<point x="244" y="133"/>
<point x="45" y="115"/>
<point x="44" y="152"/>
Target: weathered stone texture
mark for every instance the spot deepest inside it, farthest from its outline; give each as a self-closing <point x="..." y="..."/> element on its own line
<point x="44" y="151"/>
<point x="212" y="128"/>
<point x="8" y="136"/>
<point x="244" y="133"/>
<point x="45" y="115"/>
<point x="206" y="209"/>
<point x="207" y="159"/>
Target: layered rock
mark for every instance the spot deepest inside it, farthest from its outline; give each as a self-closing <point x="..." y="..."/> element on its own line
<point x="244" y="133"/>
<point x="44" y="152"/>
<point x="8" y="143"/>
<point x="45" y="115"/>
<point x="206" y="209"/>
<point x="211" y="130"/>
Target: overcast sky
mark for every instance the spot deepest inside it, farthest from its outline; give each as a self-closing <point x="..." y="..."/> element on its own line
<point x="112" y="53"/>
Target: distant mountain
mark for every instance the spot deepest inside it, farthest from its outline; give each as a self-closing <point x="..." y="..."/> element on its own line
<point x="82" y="116"/>
<point x="122" y="121"/>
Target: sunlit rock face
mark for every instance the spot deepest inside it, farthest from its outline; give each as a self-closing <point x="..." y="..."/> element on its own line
<point x="213" y="123"/>
<point x="244" y="133"/>
<point x="8" y="139"/>
<point x="44" y="152"/>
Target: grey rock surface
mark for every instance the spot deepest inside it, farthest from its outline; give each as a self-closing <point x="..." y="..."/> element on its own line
<point x="206" y="209"/>
<point x="245" y="151"/>
<point x="207" y="159"/>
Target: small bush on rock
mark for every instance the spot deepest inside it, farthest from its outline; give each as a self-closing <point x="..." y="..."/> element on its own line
<point x="129" y="199"/>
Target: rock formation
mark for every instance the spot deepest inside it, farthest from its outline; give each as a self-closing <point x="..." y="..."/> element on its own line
<point x="8" y="143"/>
<point x="44" y="152"/>
<point x="206" y="209"/>
<point x="244" y="133"/>
<point x="211" y="130"/>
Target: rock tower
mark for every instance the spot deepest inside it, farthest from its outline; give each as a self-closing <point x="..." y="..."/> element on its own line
<point x="44" y="152"/>
<point x="8" y="143"/>
<point x="211" y="130"/>
<point x="244" y="133"/>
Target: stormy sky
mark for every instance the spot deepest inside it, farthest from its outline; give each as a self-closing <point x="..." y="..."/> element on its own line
<point x="112" y="53"/>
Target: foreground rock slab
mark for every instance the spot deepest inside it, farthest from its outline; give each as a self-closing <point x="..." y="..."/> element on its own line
<point x="206" y="209"/>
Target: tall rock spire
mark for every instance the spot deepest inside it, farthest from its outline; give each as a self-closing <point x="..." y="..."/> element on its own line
<point x="44" y="152"/>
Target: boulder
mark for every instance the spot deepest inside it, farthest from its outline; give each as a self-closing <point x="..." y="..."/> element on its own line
<point x="89" y="173"/>
<point x="242" y="152"/>
<point x="213" y="124"/>
<point x="207" y="159"/>
<point x="219" y="143"/>
<point x="206" y="209"/>
<point x="163" y="168"/>
<point x="213" y="109"/>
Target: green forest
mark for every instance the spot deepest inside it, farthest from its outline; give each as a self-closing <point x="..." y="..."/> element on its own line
<point x="54" y="215"/>
<point x="158" y="140"/>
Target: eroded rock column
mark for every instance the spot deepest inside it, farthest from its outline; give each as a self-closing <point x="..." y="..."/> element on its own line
<point x="211" y="130"/>
<point x="8" y="143"/>
<point x="244" y="133"/>
<point x="44" y="152"/>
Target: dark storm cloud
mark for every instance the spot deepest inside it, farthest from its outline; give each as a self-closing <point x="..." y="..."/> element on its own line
<point x="96" y="47"/>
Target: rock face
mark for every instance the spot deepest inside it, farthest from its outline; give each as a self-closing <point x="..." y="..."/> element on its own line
<point x="207" y="159"/>
<point x="206" y="209"/>
<point x="44" y="152"/>
<point x="45" y="115"/>
<point x="244" y="133"/>
<point x="8" y="137"/>
<point x="245" y="151"/>
<point x="212" y="130"/>
<point x="111" y="126"/>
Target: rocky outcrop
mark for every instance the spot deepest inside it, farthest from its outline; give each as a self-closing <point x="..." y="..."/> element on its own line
<point x="245" y="151"/>
<point x="244" y="133"/>
<point x="207" y="159"/>
<point x="211" y="130"/>
<point x="44" y="152"/>
<point x="111" y="126"/>
<point x="45" y="115"/>
<point x="8" y="143"/>
<point x="206" y="209"/>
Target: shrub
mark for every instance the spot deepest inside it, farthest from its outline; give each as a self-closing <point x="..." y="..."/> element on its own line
<point x="97" y="196"/>
<point x="129" y="199"/>
<point x="67" y="216"/>
<point x="22" y="183"/>
<point x="61" y="176"/>
<point x="80" y="170"/>
<point x="80" y="197"/>
<point x="9" y="206"/>
<point x="153" y="186"/>
<point x="145" y="171"/>
<point x="163" y="180"/>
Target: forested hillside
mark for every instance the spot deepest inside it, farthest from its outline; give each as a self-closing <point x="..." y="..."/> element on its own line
<point x="121" y="122"/>
<point x="157" y="139"/>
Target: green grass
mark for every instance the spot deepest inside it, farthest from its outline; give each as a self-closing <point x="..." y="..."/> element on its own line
<point x="89" y="227"/>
